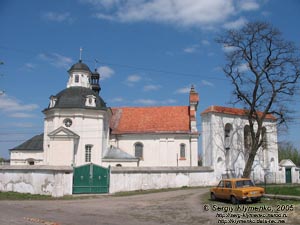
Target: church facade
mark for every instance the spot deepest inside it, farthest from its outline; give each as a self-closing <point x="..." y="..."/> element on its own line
<point x="226" y="143"/>
<point x="79" y="128"/>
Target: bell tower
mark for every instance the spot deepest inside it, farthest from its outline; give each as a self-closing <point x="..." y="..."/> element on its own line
<point x="95" y="81"/>
<point x="194" y="100"/>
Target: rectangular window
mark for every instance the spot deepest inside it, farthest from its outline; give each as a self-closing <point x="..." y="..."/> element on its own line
<point x="182" y="151"/>
<point x="76" y="78"/>
<point x="88" y="153"/>
<point x="138" y="153"/>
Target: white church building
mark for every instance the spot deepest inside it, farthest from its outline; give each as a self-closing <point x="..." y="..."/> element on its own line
<point x="226" y="143"/>
<point x="79" y="128"/>
<point x="88" y="147"/>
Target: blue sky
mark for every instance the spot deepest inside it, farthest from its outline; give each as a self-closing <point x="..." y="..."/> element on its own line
<point x="148" y="53"/>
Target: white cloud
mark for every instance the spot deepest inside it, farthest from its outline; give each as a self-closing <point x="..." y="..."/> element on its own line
<point x="21" y="115"/>
<point x="151" y="87"/>
<point x="207" y="83"/>
<point x="29" y="66"/>
<point x="204" y="14"/>
<point x="104" y="16"/>
<point x="228" y="49"/>
<point x="155" y="102"/>
<point x="205" y="42"/>
<point x="243" y="68"/>
<point x="183" y="90"/>
<point x="235" y="24"/>
<point x="169" y="101"/>
<point x="105" y="72"/>
<point x="131" y="80"/>
<point x="248" y="5"/>
<point x="191" y="49"/>
<point x="57" y="16"/>
<point x="117" y="99"/>
<point x="146" y="101"/>
<point x="56" y="60"/>
<point x="188" y="13"/>
<point x="10" y="104"/>
<point x="23" y="125"/>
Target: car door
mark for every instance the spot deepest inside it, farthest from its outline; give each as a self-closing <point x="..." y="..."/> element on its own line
<point x="227" y="190"/>
<point x="219" y="189"/>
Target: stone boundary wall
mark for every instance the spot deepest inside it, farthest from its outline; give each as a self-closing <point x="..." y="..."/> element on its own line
<point x="144" y="178"/>
<point x="45" y="180"/>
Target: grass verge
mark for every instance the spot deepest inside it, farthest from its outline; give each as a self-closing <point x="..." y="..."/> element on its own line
<point x="293" y="190"/>
<point x="22" y="196"/>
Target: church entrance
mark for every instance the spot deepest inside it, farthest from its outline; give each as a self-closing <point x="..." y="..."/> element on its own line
<point x="90" y="179"/>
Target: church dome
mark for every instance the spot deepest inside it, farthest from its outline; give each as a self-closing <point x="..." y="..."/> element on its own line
<point x="75" y="97"/>
<point x="79" y="66"/>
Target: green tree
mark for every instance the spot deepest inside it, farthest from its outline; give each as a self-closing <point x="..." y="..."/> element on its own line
<point x="286" y="150"/>
<point x="263" y="69"/>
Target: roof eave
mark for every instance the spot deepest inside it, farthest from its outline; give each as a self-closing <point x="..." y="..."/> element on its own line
<point x="119" y="160"/>
<point x="150" y="132"/>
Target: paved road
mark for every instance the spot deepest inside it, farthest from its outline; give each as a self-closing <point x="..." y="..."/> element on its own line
<point x="175" y="207"/>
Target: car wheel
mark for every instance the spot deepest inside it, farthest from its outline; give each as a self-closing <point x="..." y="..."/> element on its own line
<point x="234" y="200"/>
<point x="212" y="196"/>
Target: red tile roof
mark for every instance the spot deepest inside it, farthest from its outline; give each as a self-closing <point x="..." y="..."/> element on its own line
<point x="164" y="119"/>
<point x="231" y="111"/>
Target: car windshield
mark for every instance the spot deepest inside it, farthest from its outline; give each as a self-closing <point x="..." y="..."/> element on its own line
<point x="244" y="183"/>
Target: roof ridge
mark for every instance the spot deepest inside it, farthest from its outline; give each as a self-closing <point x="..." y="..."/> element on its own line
<point x="148" y="107"/>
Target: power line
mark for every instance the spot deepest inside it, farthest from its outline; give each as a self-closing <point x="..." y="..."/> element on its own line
<point x="155" y="70"/>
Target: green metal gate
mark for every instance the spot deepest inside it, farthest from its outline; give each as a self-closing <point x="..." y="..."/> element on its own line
<point x="90" y="178"/>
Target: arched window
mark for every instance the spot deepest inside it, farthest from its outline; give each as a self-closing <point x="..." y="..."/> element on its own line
<point x="264" y="138"/>
<point x="138" y="150"/>
<point x="227" y="136"/>
<point x="182" y="151"/>
<point x="247" y="138"/>
<point x="247" y="141"/>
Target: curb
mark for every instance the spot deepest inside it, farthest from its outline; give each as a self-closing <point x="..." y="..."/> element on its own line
<point x="283" y="197"/>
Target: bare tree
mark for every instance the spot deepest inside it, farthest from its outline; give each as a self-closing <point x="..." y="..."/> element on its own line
<point x="263" y="69"/>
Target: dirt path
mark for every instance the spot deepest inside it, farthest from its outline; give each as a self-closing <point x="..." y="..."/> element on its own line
<point x="175" y="207"/>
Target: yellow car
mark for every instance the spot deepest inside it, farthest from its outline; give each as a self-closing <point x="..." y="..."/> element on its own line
<point x="237" y="190"/>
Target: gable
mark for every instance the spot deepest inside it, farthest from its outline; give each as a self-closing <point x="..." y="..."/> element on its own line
<point x="164" y="119"/>
<point x="63" y="132"/>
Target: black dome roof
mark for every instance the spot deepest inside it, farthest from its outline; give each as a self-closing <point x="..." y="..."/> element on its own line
<point x="75" y="97"/>
<point x="80" y="66"/>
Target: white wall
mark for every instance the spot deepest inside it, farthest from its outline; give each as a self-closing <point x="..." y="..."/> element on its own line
<point x="294" y="172"/>
<point x="130" y="179"/>
<point x="44" y="180"/>
<point x="221" y="160"/>
<point x="106" y="163"/>
<point x="89" y="125"/>
<point x="160" y="149"/>
<point x="20" y="157"/>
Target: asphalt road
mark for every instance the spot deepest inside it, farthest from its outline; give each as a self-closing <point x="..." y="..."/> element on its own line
<point x="175" y="207"/>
